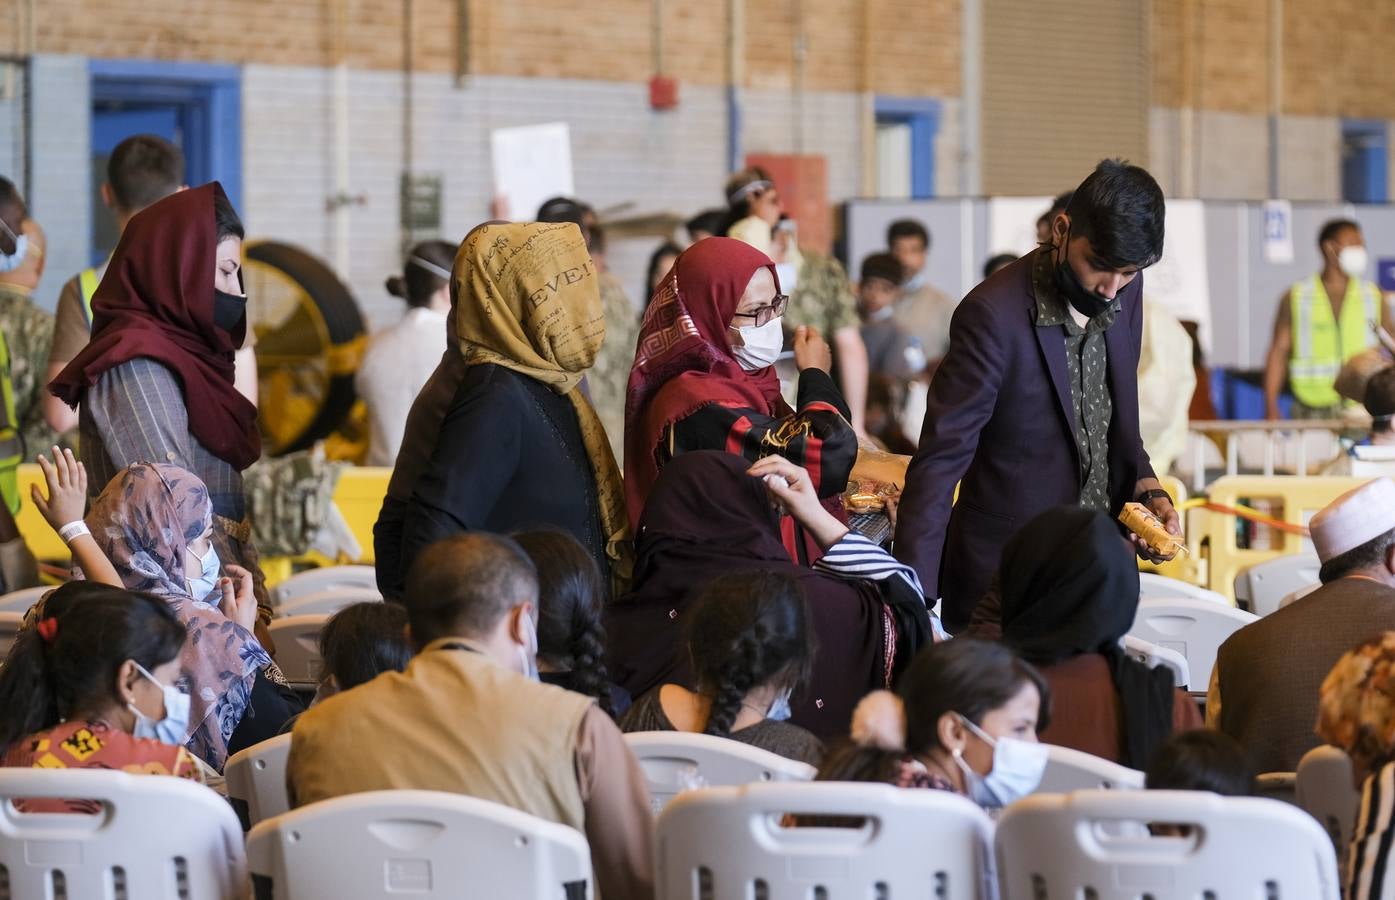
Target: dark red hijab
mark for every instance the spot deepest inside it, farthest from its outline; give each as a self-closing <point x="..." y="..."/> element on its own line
<point x="683" y="359"/>
<point x="156" y="301"/>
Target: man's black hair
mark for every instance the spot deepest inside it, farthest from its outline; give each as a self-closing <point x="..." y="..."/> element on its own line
<point x="1119" y="209"/>
<point x="1334" y="227"/>
<point x="907" y="228"/>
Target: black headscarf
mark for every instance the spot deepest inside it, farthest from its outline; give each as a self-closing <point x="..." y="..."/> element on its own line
<point x="1070" y="587"/>
<point x="706" y="517"/>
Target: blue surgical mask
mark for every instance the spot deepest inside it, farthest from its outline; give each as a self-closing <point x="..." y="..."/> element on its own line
<point x="1017" y="769"/>
<point x="11" y="261"/>
<point x="202" y="585"/>
<point x="780" y="706"/>
<point x="174" y="727"/>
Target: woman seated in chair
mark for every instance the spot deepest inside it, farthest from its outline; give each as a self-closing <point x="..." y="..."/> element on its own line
<point x="154" y="522"/>
<point x="1356" y="714"/>
<point x="92" y="685"/>
<point x="964" y="718"/>
<point x="1069" y="590"/>
<point x="713" y="513"/>
<point x="751" y="643"/>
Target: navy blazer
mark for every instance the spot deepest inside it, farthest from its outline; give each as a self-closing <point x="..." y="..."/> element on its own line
<point x="1000" y="423"/>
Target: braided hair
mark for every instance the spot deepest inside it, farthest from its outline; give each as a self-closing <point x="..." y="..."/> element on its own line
<point x="746" y="631"/>
<point x="571" y="594"/>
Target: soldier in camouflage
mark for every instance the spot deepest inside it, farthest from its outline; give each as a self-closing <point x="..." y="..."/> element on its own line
<point x="28" y="330"/>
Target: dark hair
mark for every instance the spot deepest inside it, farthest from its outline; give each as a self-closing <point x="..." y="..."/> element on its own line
<point x="747" y="630"/>
<point x="9" y="195"/>
<point x="965" y="676"/>
<point x="567" y="209"/>
<point x="12" y="210"/>
<point x="907" y="228"/>
<point x="997" y="262"/>
<point x="417" y="283"/>
<point x="667" y="248"/>
<point x="1200" y="760"/>
<point x="1371" y="553"/>
<point x="1333" y="227"/>
<point x="1119" y="209"/>
<point x="225" y="218"/>
<point x="99" y="627"/>
<point x="883" y="266"/>
<point x="462" y="585"/>
<point x="740" y="209"/>
<point x="1380" y="398"/>
<point x="571" y="595"/>
<point x="364" y="640"/>
<point x="142" y="169"/>
<point x="709" y="220"/>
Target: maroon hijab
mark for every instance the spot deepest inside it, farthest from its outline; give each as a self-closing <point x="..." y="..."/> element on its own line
<point x="684" y="361"/>
<point x="156" y="301"/>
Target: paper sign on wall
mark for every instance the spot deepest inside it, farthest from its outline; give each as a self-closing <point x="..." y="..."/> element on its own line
<point x="532" y="164"/>
<point x="1278" y="232"/>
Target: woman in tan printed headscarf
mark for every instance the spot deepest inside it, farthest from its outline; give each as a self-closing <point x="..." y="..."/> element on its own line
<point x="502" y="438"/>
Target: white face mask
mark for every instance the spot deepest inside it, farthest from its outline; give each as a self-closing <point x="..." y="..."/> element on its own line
<point x="1353" y="260"/>
<point x="11" y="261"/>
<point x="761" y="345"/>
<point x="1017" y="769"/>
<point x="201" y="585"/>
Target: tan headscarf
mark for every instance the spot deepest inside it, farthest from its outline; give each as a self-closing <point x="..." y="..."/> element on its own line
<point x="527" y="298"/>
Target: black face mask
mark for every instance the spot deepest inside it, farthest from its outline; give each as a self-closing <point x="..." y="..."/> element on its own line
<point x="1085" y="301"/>
<point x="228" y="309"/>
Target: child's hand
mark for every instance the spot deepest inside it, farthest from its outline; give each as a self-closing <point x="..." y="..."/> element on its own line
<point x="67" y="489"/>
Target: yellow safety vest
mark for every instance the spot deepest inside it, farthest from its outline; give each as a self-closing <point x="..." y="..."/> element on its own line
<point x="87" y="285"/>
<point x="1321" y="344"/>
<point x="11" y="444"/>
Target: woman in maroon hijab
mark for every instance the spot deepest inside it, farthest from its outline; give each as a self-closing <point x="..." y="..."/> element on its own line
<point x="704" y="377"/>
<point x="155" y="383"/>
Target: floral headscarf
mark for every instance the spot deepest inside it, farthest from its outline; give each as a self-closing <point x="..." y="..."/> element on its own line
<point x="143" y="521"/>
<point x="1356" y="711"/>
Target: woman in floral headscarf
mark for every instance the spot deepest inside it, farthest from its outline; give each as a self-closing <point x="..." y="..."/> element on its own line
<point x="154" y="522"/>
<point x="1356" y="713"/>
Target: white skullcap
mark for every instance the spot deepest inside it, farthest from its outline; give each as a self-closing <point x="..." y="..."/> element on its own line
<point x="1356" y="517"/>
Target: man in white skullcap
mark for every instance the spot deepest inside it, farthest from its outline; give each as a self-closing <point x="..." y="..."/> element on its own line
<point x="1269" y="672"/>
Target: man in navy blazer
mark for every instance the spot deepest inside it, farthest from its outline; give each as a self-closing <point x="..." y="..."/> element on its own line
<point x="1036" y="403"/>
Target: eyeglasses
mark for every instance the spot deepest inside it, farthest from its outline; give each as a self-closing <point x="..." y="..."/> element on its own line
<point x="763" y="314"/>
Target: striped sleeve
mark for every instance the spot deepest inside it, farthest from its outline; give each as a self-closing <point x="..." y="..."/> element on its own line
<point x="1368" y="869"/>
<point x="857" y="557"/>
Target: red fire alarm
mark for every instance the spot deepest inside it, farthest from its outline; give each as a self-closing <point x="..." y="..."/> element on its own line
<point x="663" y="92"/>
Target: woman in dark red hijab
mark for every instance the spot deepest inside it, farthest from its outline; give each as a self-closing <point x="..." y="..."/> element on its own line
<point x="704" y="376"/>
<point x="155" y="383"/>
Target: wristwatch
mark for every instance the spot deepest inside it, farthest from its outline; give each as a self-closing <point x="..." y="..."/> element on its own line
<point x="1154" y="494"/>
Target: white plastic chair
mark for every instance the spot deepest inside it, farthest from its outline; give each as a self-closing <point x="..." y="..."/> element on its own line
<point x="324" y="578"/>
<point x="1282" y="786"/>
<point x="1194" y="628"/>
<point x="297" y="640"/>
<point x="731" y="842"/>
<point x="1152" y="584"/>
<point x="1263" y="585"/>
<point x="1326" y="789"/>
<point x="1070" y="770"/>
<point x="675" y="761"/>
<point x="159" y="837"/>
<point x="10" y="624"/>
<point x="1153" y="656"/>
<point x="19" y="601"/>
<point x="421" y="843"/>
<point x="327" y="601"/>
<point x="1065" y="846"/>
<point x="256" y="779"/>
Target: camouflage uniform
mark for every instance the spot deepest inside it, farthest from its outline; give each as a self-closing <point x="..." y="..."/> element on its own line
<point x="609" y="378"/>
<point x="822" y="298"/>
<point x="289" y="500"/>
<point x="29" y="332"/>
